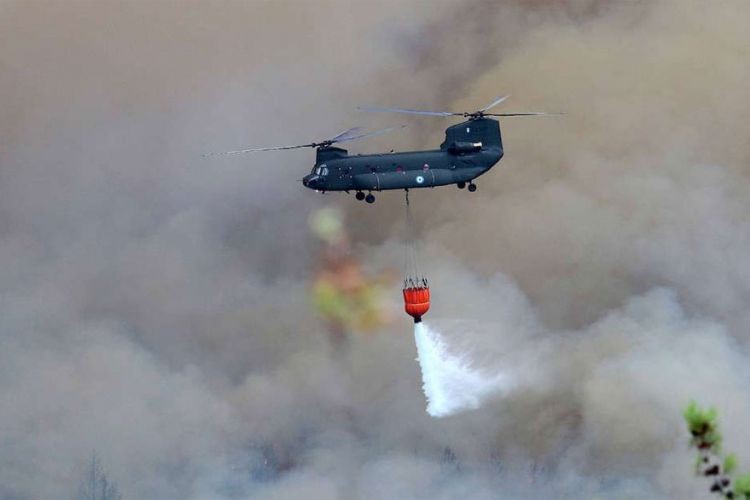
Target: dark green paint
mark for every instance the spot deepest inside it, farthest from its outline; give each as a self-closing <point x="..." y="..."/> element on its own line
<point x="470" y="149"/>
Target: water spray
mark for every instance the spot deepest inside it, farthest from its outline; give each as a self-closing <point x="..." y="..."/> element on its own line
<point x="449" y="382"/>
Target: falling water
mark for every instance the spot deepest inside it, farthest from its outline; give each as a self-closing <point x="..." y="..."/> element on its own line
<point x="449" y="382"/>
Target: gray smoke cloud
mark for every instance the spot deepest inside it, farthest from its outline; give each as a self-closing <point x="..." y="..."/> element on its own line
<point x="155" y="304"/>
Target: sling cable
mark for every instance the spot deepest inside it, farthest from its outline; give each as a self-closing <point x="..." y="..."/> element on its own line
<point x="416" y="291"/>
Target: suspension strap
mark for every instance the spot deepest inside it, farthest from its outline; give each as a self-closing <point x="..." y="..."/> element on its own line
<point x="413" y="275"/>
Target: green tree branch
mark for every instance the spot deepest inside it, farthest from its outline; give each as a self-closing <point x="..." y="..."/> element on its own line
<point x="703" y="426"/>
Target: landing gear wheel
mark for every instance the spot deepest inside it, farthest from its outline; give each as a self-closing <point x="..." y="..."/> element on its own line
<point x="472" y="187"/>
<point x="370" y="198"/>
<point x="461" y="185"/>
<point x="360" y="195"/>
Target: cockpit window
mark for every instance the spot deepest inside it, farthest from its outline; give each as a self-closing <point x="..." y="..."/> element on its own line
<point x="324" y="171"/>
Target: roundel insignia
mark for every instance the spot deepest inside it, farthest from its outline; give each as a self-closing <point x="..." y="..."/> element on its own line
<point x="419" y="179"/>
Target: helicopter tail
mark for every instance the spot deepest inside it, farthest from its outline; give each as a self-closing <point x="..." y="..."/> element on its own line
<point x="480" y="131"/>
<point x="489" y="133"/>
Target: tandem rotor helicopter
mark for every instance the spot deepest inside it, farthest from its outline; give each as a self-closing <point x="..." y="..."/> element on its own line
<point x="469" y="150"/>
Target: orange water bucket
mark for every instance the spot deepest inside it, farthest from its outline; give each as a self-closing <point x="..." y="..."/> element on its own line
<point x="417" y="302"/>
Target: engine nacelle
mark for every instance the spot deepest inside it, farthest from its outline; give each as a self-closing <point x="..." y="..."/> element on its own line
<point x="464" y="147"/>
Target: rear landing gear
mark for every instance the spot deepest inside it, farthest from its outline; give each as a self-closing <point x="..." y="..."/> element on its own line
<point x="472" y="187"/>
<point x="360" y="195"/>
<point x="461" y="185"/>
<point x="370" y="198"/>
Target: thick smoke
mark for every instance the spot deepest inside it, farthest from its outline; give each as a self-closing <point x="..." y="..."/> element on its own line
<point x="155" y="303"/>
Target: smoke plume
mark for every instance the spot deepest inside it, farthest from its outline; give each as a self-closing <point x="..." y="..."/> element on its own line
<point x="156" y="306"/>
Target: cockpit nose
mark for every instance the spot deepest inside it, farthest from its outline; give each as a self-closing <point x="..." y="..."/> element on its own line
<point x="317" y="178"/>
<point x="311" y="181"/>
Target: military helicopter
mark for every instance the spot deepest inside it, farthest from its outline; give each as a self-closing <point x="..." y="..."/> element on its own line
<point x="469" y="150"/>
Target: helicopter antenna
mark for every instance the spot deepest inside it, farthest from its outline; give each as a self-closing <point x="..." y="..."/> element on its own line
<point x="471" y="115"/>
<point x="351" y="134"/>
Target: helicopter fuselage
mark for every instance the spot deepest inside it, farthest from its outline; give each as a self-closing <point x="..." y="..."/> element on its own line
<point x="470" y="149"/>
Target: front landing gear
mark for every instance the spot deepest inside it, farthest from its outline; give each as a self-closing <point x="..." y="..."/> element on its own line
<point x="472" y="187"/>
<point x="461" y="185"/>
<point x="370" y="198"/>
<point x="360" y="195"/>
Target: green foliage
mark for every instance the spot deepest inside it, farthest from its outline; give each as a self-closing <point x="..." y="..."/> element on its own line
<point x="697" y="417"/>
<point x="730" y="463"/>
<point x="742" y="486"/>
<point x="703" y="426"/>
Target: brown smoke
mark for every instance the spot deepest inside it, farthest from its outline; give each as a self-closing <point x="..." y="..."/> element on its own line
<point x="155" y="303"/>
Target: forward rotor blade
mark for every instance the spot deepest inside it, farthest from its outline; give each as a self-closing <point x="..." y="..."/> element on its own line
<point x="370" y="134"/>
<point x="407" y="111"/>
<point x="254" y="150"/>
<point x="348" y="133"/>
<point x="523" y="114"/>
<point x="494" y="103"/>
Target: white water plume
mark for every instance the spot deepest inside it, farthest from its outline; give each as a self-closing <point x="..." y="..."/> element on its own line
<point x="449" y="382"/>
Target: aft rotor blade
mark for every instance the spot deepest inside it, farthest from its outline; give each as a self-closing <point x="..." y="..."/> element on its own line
<point x="494" y="103"/>
<point x="254" y="150"/>
<point x="371" y="134"/>
<point x="347" y="133"/>
<point x="408" y="111"/>
<point x="523" y="114"/>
